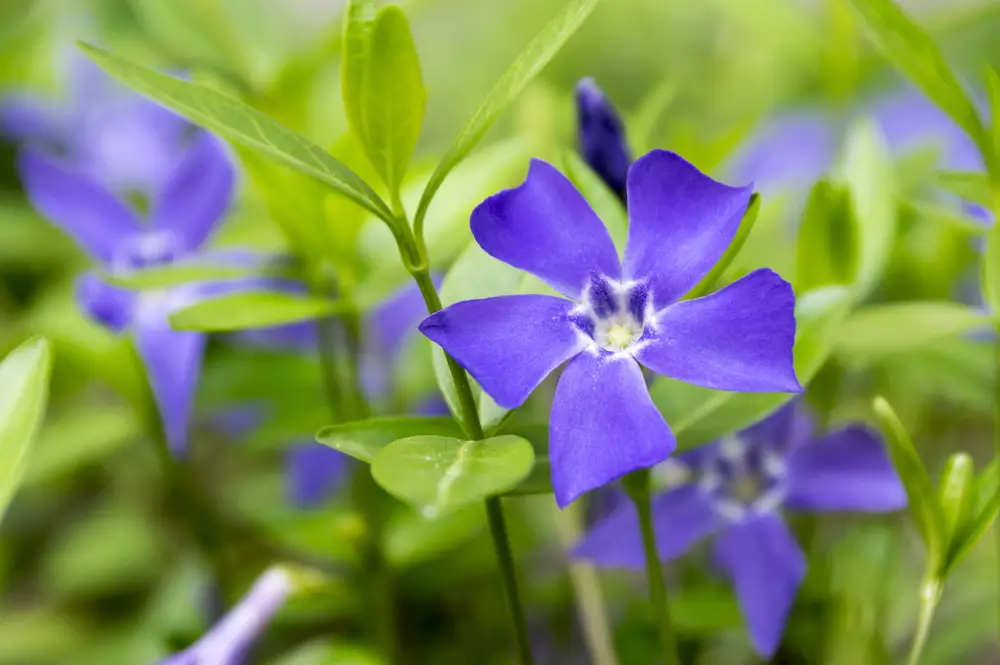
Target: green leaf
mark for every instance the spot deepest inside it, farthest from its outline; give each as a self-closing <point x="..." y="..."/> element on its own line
<point x="913" y="51"/>
<point x="525" y="67"/>
<point x="411" y="540"/>
<point x="605" y="203"/>
<point x="24" y="389"/>
<point x="185" y="272"/>
<point x="700" y="415"/>
<point x="948" y="217"/>
<point x="440" y="474"/>
<point x="258" y="309"/>
<point x="80" y="438"/>
<point x="993" y="89"/>
<point x="363" y="439"/>
<point x="642" y="122"/>
<point x="383" y="88"/>
<point x="240" y="123"/>
<point x="970" y="185"/>
<point x="956" y="493"/>
<point x="919" y="489"/>
<point x="881" y="330"/>
<point x="827" y="248"/>
<point x="710" y="281"/>
<point x="990" y="267"/>
<point x="868" y="172"/>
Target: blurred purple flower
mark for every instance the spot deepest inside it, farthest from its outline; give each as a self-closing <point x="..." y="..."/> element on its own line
<point x="601" y="136"/>
<point x="187" y="210"/>
<point x="120" y="139"/>
<point x="735" y="490"/>
<point x="603" y="422"/>
<point x="229" y="640"/>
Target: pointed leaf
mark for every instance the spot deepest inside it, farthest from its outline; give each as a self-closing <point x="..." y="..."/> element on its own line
<point x="517" y="77"/>
<point x="238" y="122"/>
<point x="990" y="268"/>
<point x="259" y="309"/>
<point x="919" y="489"/>
<point x="24" y="388"/>
<point x="355" y="62"/>
<point x="956" y="493"/>
<point x="363" y="439"/>
<point x="439" y="474"/>
<point x="968" y="535"/>
<point x="826" y="248"/>
<point x="882" y="330"/>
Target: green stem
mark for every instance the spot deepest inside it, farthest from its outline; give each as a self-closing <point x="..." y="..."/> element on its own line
<point x="637" y="487"/>
<point x="930" y="594"/>
<point x="505" y="557"/>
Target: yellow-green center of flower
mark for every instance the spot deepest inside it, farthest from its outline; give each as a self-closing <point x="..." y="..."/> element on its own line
<point x="617" y="333"/>
<point x="619" y="336"/>
<point x="747" y="488"/>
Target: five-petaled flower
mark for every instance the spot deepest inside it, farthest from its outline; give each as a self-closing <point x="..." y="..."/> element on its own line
<point x="734" y="488"/>
<point x="601" y="136"/>
<point x="229" y="640"/>
<point x="603" y="423"/>
<point x="181" y="219"/>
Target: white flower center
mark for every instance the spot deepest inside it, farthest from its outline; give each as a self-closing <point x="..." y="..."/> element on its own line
<point x="744" y="479"/>
<point x="614" y="315"/>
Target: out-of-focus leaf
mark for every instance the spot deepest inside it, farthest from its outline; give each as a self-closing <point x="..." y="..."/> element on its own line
<point x="920" y="490"/>
<point x="956" y="493"/>
<point x="987" y="509"/>
<point x="710" y="281"/>
<point x="363" y="439"/>
<point x="990" y="270"/>
<point x="184" y="272"/>
<point x="948" y="216"/>
<point x="993" y="90"/>
<point x="78" y="438"/>
<point x="382" y="87"/>
<point x="881" y="330"/>
<point x="913" y="51"/>
<point x="440" y="474"/>
<point x="525" y="67"/>
<point x="24" y="390"/>
<point x="642" y="122"/>
<point x="700" y="415"/>
<point x="259" y="309"/>
<point x="241" y="123"/>
<point x="604" y="202"/>
<point x="411" y="540"/>
<point x="41" y="635"/>
<point x="827" y="248"/>
<point x="970" y="185"/>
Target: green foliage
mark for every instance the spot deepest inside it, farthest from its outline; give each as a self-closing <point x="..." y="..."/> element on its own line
<point x="826" y="247"/>
<point x="956" y="492"/>
<point x="256" y="309"/>
<point x="990" y="270"/>
<point x="880" y="330"/>
<point x="184" y="272"/>
<point x="363" y="439"/>
<point x="439" y="474"/>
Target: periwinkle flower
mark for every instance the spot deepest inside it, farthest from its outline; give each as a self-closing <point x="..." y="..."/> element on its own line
<point x="618" y="313"/>
<point x="229" y="640"/>
<point x="122" y="140"/>
<point x="735" y="489"/>
<point x="601" y="136"/>
<point x="182" y="217"/>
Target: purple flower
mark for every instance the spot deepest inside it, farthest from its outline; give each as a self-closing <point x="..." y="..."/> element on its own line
<point x="601" y="136"/>
<point x="603" y="422"/>
<point x="120" y="139"/>
<point x="734" y="489"/>
<point x="229" y="640"/>
<point x="314" y="472"/>
<point x="182" y="217"/>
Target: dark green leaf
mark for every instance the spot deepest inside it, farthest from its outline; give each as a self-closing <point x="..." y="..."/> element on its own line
<point x="363" y="439"/>
<point x="881" y="330"/>
<point x="440" y="474"/>
<point x="258" y="309"/>
<point x="24" y="389"/>
<point x="710" y="281"/>
<point x="520" y="73"/>
<point x="919" y="489"/>
<point x="827" y="248"/>
<point x="238" y="122"/>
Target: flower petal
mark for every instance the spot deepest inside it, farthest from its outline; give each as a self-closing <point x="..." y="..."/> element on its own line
<point x="314" y="471"/>
<point x="603" y="425"/>
<point x="81" y="207"/>
<point x="109" y="305"/>
<point x="681" y="517"/>
<point x="509" y="344"/>
<point x="767" y="567"/>
<point x="173" y="364"/>
<point x="784" y="430"/>
<point x="601" y="136"/>
<point x="793" y="151"/>
<point x="547" y="228"/>
<point x="680" y="223"/>
<point x="197" y="194"/>
<point x="845" y="470"/>
<point x="28" y="117"/>
<point x="739" y="338"/>
<point x="396" y="317"/>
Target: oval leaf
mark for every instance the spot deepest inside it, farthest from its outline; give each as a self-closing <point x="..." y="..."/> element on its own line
<point x="238" y="122"/>
<point x="260" y="309"/>
<point x="24" y="388"/>
<point x="363" y="439"/>
<point x="882" y="330"/>
<point x="439" y="474"/>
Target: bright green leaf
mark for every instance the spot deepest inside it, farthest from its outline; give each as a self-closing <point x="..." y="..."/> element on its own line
<point x="987" y="506"/>
<point x="439" y="474"/>
<point x="881" y="330"/>
<point x="990" y="268"/>
<point x="604" y="202"/>
<point x="355" y="62"/>
<point x="238" y="122"/>
<point x="970" y="185"/>
<point x="948" y="216"/>
<point x="700" y="415"/>
<point x="710" y="282"/>
<point x="993" y="90"/>
<point x="520" y="73"/>
<point x="258" y="309"/>
<point x="919" y="489"/>
<point x="184" y="272"/>
<point x="826" y="248"/>
<point x="24" y="389"/>
<point x="363" y="439"/>
<point x="956" y="493"/>
<point x="913" y="51"/>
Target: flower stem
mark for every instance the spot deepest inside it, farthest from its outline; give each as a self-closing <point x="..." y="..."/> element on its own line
<point x="473" y="428"/>
<point x="637" y="487"/>
<point x="930" y="594"/>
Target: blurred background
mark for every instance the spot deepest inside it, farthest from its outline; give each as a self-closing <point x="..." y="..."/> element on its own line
<point x="95" y="566"/>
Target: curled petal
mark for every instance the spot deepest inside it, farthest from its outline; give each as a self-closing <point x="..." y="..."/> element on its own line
<point x="603" y="425"/>
<point x="680" y="223"/>
<point x="739" y="338"/>
<point x="547" y="228"/>
<point x="509" y="344"/>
